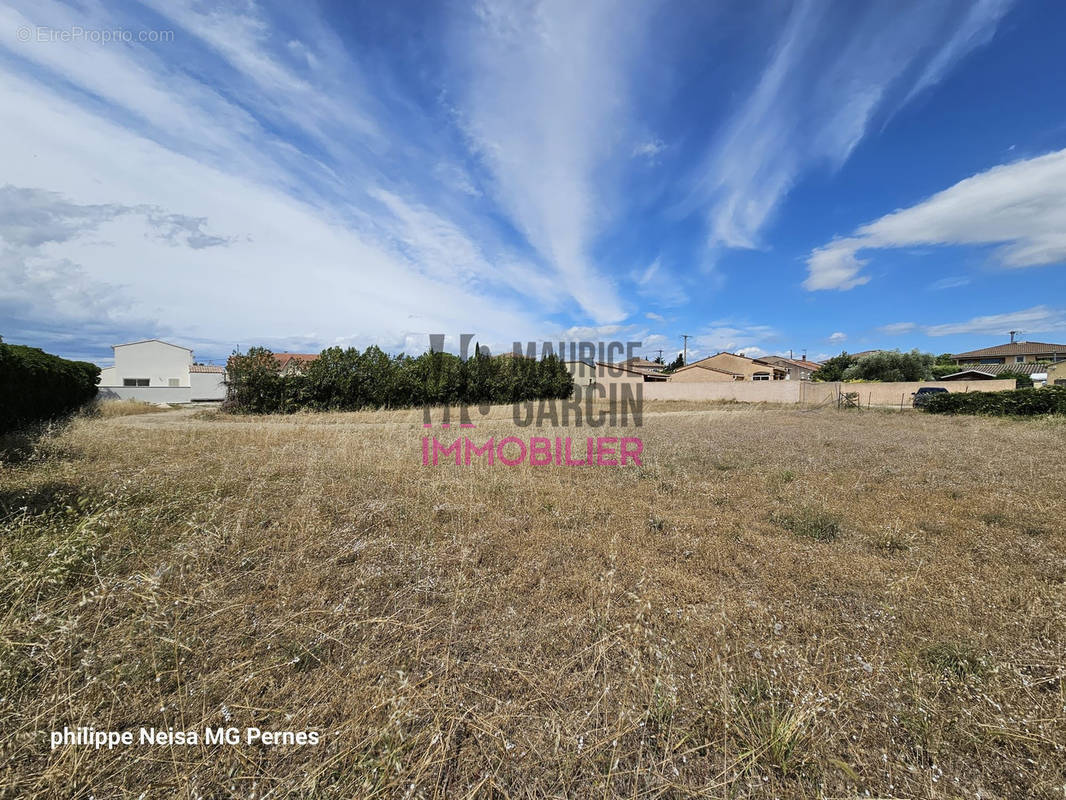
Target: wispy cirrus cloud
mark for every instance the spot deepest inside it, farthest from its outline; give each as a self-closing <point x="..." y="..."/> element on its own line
<point x="1035" y="320"/>
<point x="659" y="286"/>
<point x="1019" y="206"/>
<point x="897" y="328"/>
<point x="236" y="134"/>
<point x="829" y="74"/>
<point x="950" y="282"/>
<point x="544" y="95"/>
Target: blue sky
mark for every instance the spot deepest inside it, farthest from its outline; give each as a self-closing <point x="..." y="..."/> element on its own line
<point x="764" y="176"/>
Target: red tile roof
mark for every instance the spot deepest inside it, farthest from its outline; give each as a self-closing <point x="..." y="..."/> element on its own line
<point x="205" y="368"/>
<point x="284" y="359"/>
<point x="1014" y="349"/>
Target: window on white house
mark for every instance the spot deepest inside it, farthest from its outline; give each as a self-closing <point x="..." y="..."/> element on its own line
<point x="1019" y="359"/>
<point x="173" y="382"/>
<point x="134" y="381"/>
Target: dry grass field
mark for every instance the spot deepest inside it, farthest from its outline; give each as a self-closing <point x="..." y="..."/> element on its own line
<point x="124" y="408"/>
<point x="778" y="603"/>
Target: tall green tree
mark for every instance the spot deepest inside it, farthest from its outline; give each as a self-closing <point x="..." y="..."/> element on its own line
<point x="833" y="369"/>
<point x="891" y="365"/>
<point x="675" y="365"/>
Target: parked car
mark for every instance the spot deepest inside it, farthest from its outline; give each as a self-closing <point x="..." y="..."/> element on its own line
<point x="922" y="396"/>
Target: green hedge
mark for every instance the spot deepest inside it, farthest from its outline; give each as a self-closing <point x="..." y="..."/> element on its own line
<point x="350" y="380"/>
<point x="37" y="386"/>
<point x="1013" y="402"/>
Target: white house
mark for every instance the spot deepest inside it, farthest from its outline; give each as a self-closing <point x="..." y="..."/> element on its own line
<point x="160" y="372"/>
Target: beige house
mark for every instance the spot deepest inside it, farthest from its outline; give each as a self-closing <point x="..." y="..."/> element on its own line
<point x="1056" y="374"/>
<point x="728" y="367"/>
<point x="796" y="369"/>
<point x="1013" y="353"/>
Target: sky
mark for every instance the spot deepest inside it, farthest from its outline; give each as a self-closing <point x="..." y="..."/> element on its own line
<point x="766" y="177"/>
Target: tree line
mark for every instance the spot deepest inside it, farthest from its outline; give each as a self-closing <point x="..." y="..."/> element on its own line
<point x="892" y="365"/>
<point x="350" y="380"/>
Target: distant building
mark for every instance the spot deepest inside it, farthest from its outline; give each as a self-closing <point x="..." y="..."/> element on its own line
<point x="294" y="363"/>
<point x="160" y="372"/>
<point x="588" y="373"/>
<point x="728" y="367"/>
<point x="1056" y="374"/>
<point x="643" y="364"/>
<point x="1013" y="353"/>
<point x="985" y="371"/>
<point x="796" y="369"/>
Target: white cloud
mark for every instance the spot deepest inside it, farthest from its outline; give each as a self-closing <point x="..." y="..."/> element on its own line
<point x="1018" y="206"/>
<point x="837" y="337"/>
<point x="952" y="282"/>
<point x="291" y="271"/>
<point x="724" y="336"/>
<point x="591" y="332"/>
<point x="897" y="328"/>
<point x="543" y="107"/>
<point x="649" y="148"/>
<point x="653" y="316"/>
<point x="827" y="77"/>
<point x="148" y="165"/>
<point x="1038" y="319"/>
<point x="977" y="28"/>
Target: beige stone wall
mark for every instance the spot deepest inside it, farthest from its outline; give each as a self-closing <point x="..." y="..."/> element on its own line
<point x="700" y="375"/>
<point x="582" y="373"/>
<point x="884" y="395"/>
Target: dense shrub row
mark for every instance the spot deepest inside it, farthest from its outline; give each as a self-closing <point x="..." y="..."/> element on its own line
<point x="349" y="380"/>
<point x="1020" y="402"/>
<point x="36" y="386"/>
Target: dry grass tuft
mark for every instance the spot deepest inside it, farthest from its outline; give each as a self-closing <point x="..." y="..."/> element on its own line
<point x="647" y="632"/>
<point x="813" y="523"/>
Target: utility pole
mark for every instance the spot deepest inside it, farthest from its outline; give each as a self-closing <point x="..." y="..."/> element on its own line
<point x="684" y="358"/>
<point x="660" y="352"/>
<point x="1012" y="333"/>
